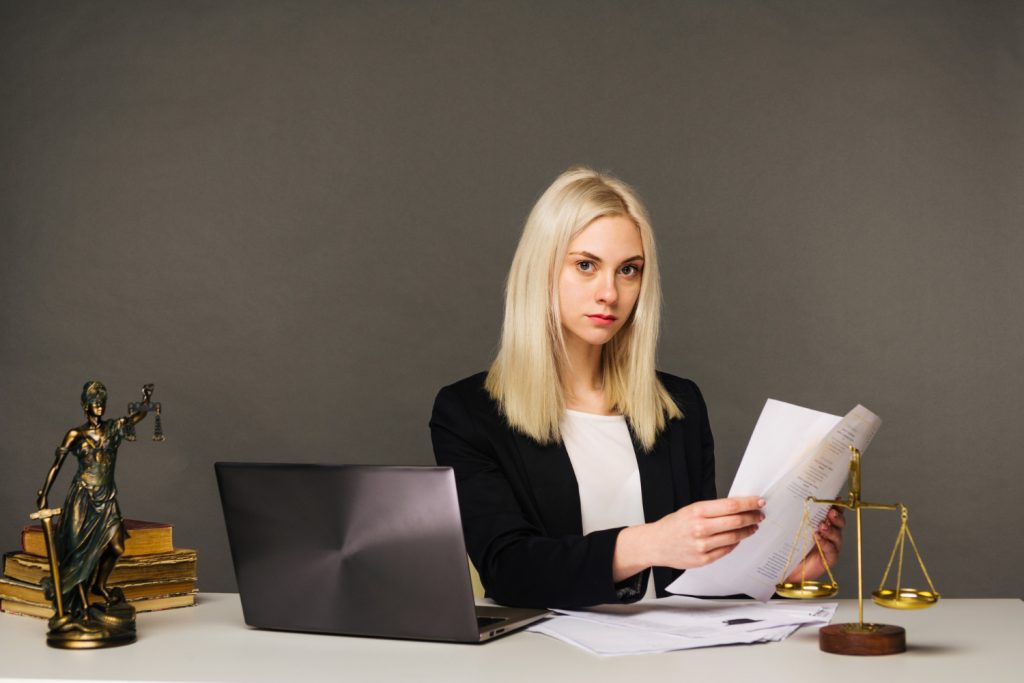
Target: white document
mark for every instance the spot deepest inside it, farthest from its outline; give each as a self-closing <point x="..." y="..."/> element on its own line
<point x="609" y="639"/>
<point x="680" y="623"/>
<point x="793" y="453"/>
<point x="698" y="618"/>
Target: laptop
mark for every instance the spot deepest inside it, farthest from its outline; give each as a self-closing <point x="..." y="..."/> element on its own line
<point x="362" y="550"/>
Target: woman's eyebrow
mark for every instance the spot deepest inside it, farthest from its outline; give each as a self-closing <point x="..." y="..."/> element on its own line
<point x="594" y="257"/>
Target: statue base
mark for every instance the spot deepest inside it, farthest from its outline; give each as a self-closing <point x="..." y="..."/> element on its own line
<point x="862" y="639"/>
<point x="89" y="641"/>
<point x="102" y="626"/>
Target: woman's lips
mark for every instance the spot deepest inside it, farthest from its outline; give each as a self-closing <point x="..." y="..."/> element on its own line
<point x="602" y="319"/>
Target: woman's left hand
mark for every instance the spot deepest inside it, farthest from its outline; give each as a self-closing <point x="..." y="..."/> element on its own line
<point x="830" y="535"/>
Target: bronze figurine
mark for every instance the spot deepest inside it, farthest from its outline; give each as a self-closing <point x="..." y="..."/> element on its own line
<point x="89" y="534"/>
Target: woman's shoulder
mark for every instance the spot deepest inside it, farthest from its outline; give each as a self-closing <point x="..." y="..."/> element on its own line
<point x="684" y="391"/>
<point x="675" y="383"/>
<point x="466" y="406"/>
<point x="467" y="394"/>
<point x="466" y="388"/>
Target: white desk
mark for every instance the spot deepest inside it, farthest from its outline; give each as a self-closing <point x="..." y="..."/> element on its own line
<point x="958" y="640"/>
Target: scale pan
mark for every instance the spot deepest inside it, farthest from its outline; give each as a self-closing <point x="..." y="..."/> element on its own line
<point x="906" y="598"/>
<point x="806" y="590"/>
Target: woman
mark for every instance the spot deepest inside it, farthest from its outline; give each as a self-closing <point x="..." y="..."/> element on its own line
<point x="578" y="466"/>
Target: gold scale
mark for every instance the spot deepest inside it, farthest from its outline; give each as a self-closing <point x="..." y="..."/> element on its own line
<point x="860" y="638"/>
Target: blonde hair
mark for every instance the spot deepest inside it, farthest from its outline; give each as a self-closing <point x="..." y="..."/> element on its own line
<point x="524" y="378"/>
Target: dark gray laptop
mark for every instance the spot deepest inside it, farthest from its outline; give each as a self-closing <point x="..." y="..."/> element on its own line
<point x="355" y="550"/>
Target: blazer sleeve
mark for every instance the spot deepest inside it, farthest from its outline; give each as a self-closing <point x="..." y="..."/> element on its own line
<point x="519" y="563"/>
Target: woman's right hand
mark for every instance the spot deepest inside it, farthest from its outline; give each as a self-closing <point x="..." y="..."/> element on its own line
<point x="693" y="536"/>
<point x="703" y="532"/>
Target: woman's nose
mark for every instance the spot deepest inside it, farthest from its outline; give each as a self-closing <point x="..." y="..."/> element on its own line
<point x="607" y="291"/>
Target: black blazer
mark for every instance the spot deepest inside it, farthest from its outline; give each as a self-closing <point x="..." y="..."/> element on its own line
<point x="520" y="503"/>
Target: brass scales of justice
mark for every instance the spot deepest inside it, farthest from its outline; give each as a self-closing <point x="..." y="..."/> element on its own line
<point x="860" y="638"/>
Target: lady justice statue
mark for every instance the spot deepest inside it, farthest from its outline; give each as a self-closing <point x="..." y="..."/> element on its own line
<point x="89" y="534"/>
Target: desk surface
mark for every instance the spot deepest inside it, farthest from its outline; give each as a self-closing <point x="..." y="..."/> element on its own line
<point x="958" y="640"/>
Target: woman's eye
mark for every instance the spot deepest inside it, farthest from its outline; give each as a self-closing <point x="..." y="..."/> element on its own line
<point x="585" y="266"/>
<point x="629" y="270"/>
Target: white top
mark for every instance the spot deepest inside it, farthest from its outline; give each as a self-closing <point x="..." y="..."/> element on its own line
<point x="604" y="461"/>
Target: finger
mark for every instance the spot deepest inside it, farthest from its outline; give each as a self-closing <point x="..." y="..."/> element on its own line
<point x="712" y="526"/>
<point x="722" y="507"/>
<point x="829" y="548"/>
<point x="717" y="553"/>
<point x="831" y="557"/>
<point x="728" y="538"/>
<point x="830" y="533"/>
<point x="836" y="517"/>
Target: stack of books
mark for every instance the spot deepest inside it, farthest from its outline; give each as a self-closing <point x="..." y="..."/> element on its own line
<point x="153" y="574"/>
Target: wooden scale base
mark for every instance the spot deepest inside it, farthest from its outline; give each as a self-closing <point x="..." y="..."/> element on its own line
<point x="862" y="639"/>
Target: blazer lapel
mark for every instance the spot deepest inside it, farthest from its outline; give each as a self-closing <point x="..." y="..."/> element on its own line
<point x="552" y="483"/>
<point x="656" y="481"/>
<point x="663" y="482"/>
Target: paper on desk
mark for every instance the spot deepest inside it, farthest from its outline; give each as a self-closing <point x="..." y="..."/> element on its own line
<point x="699" y="618"/>
<point x="609" y="639"/>
<point x="680" y="623"/>
<point x="793" y="453"/>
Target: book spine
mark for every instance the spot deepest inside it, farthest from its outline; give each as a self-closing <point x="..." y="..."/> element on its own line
<point x="157" y="604"/>
<point x="178" y="565"/>
<point x="144" y="538"/>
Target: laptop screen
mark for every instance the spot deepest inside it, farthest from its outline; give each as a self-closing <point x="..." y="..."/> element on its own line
<point x="351" y="549"/>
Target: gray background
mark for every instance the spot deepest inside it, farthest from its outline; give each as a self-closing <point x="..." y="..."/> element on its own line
<point x="296" y="219"/>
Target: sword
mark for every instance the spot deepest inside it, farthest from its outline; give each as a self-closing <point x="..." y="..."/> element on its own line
<point x="45" y="516"/>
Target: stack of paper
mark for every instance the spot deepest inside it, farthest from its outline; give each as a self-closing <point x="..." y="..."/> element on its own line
<point x="681" y="623"/>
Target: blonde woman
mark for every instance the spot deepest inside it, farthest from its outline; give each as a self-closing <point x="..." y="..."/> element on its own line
<point x="584" y="475"/>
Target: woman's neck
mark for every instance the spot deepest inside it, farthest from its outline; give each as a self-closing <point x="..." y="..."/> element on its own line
<point x="583" y="379"/>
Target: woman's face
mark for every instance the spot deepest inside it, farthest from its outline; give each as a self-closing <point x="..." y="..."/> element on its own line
<point x="600" y="280"/>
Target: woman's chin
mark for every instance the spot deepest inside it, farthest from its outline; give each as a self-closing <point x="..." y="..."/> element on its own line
<point x="600" y="340"/>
